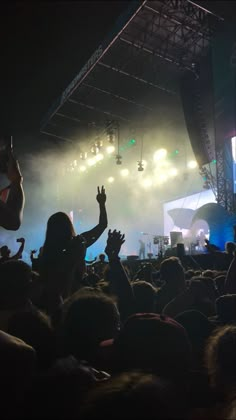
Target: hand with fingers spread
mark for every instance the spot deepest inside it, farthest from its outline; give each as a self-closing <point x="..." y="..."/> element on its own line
<point x="101" y="195"/>
<point x="114" y="242"/>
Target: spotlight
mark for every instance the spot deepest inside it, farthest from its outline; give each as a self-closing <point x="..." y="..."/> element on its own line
<point x="110" y="149"/>
<point x="140" y="166"/>
<point x="99" y="157"/>
<point x="92" y="162"/>
<point x="83" y="155"/>
<point x="159" y="154"/>
<point x="98" y="143"/>
<point x="192" y="164"/>
<point x="94" y="150"/>
<point x="82" y="168"/>
<point x="118" y="159"/>
<point x="110" y="179"/>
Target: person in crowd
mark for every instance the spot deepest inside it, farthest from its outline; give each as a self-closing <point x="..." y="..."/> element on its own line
<point x="100" y="266"/>
<point x="141" y="250"/>
<point x="63" y="256"/>
<point x="197" y="297"/>
<point x="6" y="252"/>
<point x="220" y="360"/>
<point x="173" y="275"/>
<point x="135" y="395"/>
<point x="11" y="209"/>
<point x="36" y="261"/>
<point x="225" y="310"/>
<point x="144" y="296"/>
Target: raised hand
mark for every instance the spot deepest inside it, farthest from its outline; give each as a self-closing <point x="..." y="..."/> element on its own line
<point x="114" y="242"/>
<point x="13" y="169"/>
<point x="101" y="195"/>
<point x="22" y="240"/>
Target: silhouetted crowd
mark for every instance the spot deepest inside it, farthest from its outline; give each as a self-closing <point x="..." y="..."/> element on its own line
<point x="98" y="340"/>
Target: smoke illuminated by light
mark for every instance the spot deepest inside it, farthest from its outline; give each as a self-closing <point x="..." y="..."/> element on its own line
<point x="124" y="172"/>
<point x="159" y="155"/>
<point x="82" y="168"/>
<point x="146" y="183"/>
<point x="192" y="164"/>
<point x="173" y="172"/>
<point x="111" y="179"/>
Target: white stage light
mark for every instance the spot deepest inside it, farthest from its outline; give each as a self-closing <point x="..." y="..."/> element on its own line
<point x="110" y="179"/>
<point x="110" y="149"/>
<point x="159" y="155"/>
<point x="124" y="172"/>
<point x="99" y="157"/>
<point x="192" y="164"/>
<point x="162" y="178"/>
<point x="92" y="162"/>
<point x="82" y="168"/>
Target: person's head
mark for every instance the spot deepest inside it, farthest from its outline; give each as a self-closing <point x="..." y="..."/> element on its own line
<point x="34" y="328"/>
<point x="226" y="308"/>
<point x="198" y="328"/>
<point x="15" y="284"/>
<point x="172" y="272"/>
<point x="220" y="358"/>
<point x="5" y="251"/>
<point x="220" y="284"/>
<point x="134" y="395"/>
<point x="152" y="342"/>
<point x="102" y="257"/>
<point x="91" y="318"/>
<point x="144" y="294"/>
<point x="230" y="248"/>
<point x="59" y="232"/>
<point x="202" y="296"/>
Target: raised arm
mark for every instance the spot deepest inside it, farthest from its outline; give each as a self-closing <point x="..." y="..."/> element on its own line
<point x="230" y="281"/>
<point x="18" y="255"/>
<point x="119" y="282"/>
<point x="92" y="235"/>
<point x="11" y="212"/>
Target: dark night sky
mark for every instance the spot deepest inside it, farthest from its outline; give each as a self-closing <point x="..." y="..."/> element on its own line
<point x="43" y="46"/>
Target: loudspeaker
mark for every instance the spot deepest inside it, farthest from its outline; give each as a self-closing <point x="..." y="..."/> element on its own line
<point x="195" y="125"/>
<point x="175" y="238"/>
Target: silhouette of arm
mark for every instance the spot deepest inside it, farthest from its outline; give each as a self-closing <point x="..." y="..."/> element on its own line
<point x="92" y="235"/>
<point x="230" y="281"/>
<point x="18" y="255"/>
<point x="119" y="282"/>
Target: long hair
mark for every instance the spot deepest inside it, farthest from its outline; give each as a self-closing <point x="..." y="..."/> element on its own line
<point x="59" y="232"/>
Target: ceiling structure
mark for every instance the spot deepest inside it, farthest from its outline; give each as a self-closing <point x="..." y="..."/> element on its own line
<point x="151" y="46"/>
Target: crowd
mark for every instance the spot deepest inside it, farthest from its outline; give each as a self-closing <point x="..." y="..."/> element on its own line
<point x="99" y="341"/>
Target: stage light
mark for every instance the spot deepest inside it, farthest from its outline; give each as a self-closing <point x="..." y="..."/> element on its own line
<point x="159" y="155"/>
<point x="140" y="166"/>
<point x="173" y="172"/>
<point x="98" y="144"/>
<point x="192" y="164"/>
<point x="92" y="162"/>
<point x="214" y="161"/>
<point x="118" y="159"/>
<point x="75" y="162"/>
<point x="124" y="172"/>
<point x="82" y="168"/>
<point x="83" y="155"/>
<point x="111" y="179"/>
<point x="110" y="149"/>
<point x="94" y="150"/>
<point x="99" y="157"/>
<point x="132" y="141"/>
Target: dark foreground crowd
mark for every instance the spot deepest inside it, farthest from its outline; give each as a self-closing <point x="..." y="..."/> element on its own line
<point x="91" y="342"/>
